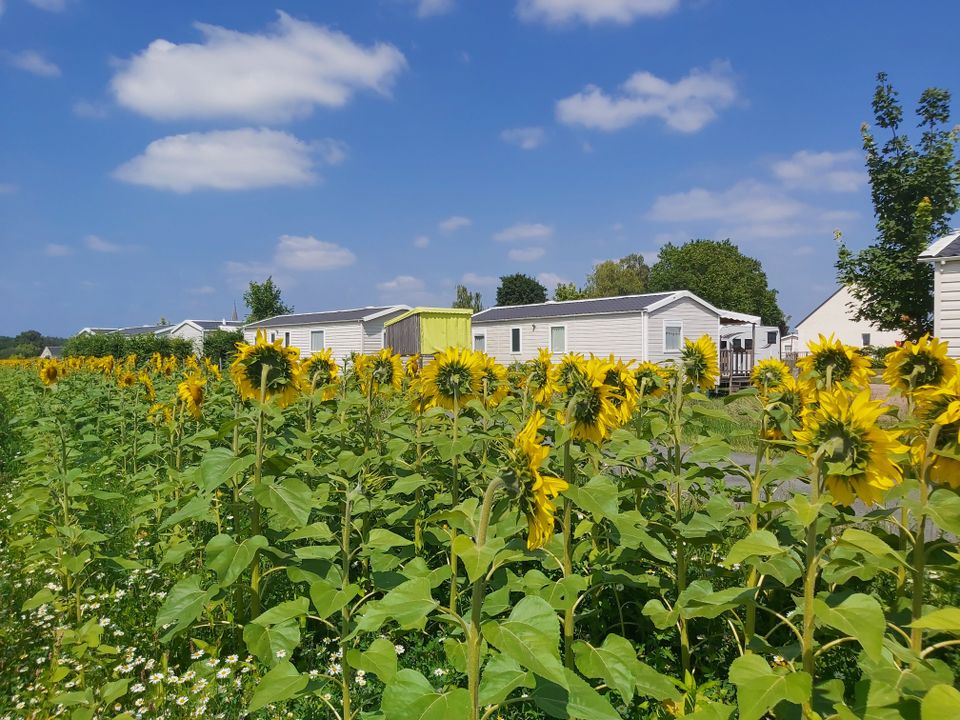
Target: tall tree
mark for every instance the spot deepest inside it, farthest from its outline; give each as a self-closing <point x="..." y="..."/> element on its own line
<point x="915" y="192"/>
<point x="567" y="291"/>
<point x="468" y="300"/>
<point x="520" y="289"/>
<point x="264" y="300"/>
<point x="719" y="273"/>
<point x="627" y="276"/>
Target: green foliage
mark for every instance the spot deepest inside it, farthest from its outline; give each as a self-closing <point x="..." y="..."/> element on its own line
<point x="467" y="300"/>
<point x="221" y="345"/>
<point x="719" y="273"/>
<point x="143" y="346"/>
<point x="915" y="191"/>
<point x="627" y="276"/>
<point x="520" y="289"/>
<point x="566" y="291"/>
<point x="264" y="300"/>
<point x="29" y="343"/>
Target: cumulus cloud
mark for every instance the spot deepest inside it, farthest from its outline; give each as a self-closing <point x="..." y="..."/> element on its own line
<point x="550" y="280"/>
<point x="526" y="254"/>
<point x="829" y="171"/>
<point x="431" y="8"/>
<point x="409" y="290"/>
<point x="471" y="278"/>
<point x="98" y="244"/>
<point x="622" y="12"/>
<point x="57" y="250"/>
<point x="421" y="241"/>
<point x="277" y="75"/>
<point x="228" y="160"/>
<point x="526" y="138"/>
<point x="34" y="62"/>
<point x="524" y="231"/>
<point x="454" y="223"/>
<point x="294" y="254"/>
<point x="402" y="283"/>
<point x="686" y="105"/>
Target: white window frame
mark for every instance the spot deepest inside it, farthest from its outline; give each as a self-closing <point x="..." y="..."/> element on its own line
<point x="665" y="325"/>
<point x="286" y="338"/>
<point x="473" y="338"/>
<point x="868" y="337"/>
<point x="519" y="337"/>
<point x="550" y="337"/>
<point x="273" y="336"/>
<point x="323" y="344"/>
<point x="776" y="337"/>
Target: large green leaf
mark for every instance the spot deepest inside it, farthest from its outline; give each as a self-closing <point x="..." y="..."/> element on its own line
<point x="380" y="659"/>
<point x="281" y="683"/>
<point x="476" y="560"/>
<point x="759" y="543"/>
<point x="613" y="662"/>
<point x="943" y="507"/>
<point x="945" y="620"/>
<point x="408" y="604"/>
<point x="700" y="600"/>
<point x="383" y="539"/>
<point x="196" y="508"/>
<point x="530" y="636"/>
<point x="184" y="603"/>
<point x="272" y="643"/>
<point x="290" y="500"/>
<point x="760" y="689"/>
<point x="653" y="684"/>
<point x="574" y="699"/>
<point x="228" y="558"/>
<point x="859" y="616"/>
<point x="284" y="611"/>
<point x="940" y="703"/>
<point x="598" y="497"/>
<point x="870" y="545"/>
<point x="219" y="465"/>
<point x="501" y="676"/>
<point x="411" y="697"/>
<point x="631" y="526"/>
<point x="328" y="598"/>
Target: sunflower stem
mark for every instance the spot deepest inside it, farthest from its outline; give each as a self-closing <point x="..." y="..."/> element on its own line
<point x="455" y="500"/>
<point x="810" y="585"/>
<point x="568" y="616"/>
<point x="919" y="543"/>
<point x="255" y="528"/>
<point x="677" y="453"/>
<point x="750" y="623"/>
<point x="345" y="678"/>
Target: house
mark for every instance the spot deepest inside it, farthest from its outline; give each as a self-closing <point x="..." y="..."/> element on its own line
<point x="428" y="330"/>
<point x="52" y="351"/>
<point x="132" y="330"/>
<point x="764" y="340"/>
<point x="944" y="256"/>
<point x="96" y="330"/>
<point x="196" y="330"/>
<point x="836" y="315"/>
<point x="650" y="327"/>
<point x="343" y="331"/>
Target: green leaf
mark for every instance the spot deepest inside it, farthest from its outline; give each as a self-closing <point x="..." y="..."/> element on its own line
<point x="328" y="598"/>
<point x="281" y="683"/>
<point x="631" y="526"/>
<point x="476" y="560"/>
<point x="945" y="619"/>
<point x="940" y="702"/>
<point x="219" y="465"/>
<point x="184" y="603"/>
<point x="760" y="689"/>
<point x="228" y="559"/>
<point x="598" y="497"/>
<point x="501" y="676"/>
<point x="759" y="543"/>
<point x="290" y="500"/>
<point x="659" y="615"/>
<point x="574" y="699"/>
<point x="530" y="636"/>
<point x="869" y="544"/>
<point x="411" y="697"/>
<point x="198" y="507"/>
<point x="613" y="662"/>
<point x="408" y="604"/>
<point x="653" y="684"/>
<point x="383" y="539"/>
<point x="700" y="600"/>
<point x="267" y="642"/>
<point x="113" y="690"/>
<point x="313" y="531"/>
<point x="943" y="507"/>
<point x="284" y="611"/>
<point x="859" y="616"/>
<point x="380" y="659"/>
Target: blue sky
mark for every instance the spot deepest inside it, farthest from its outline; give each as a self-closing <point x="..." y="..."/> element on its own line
<point x="155" y="157"/>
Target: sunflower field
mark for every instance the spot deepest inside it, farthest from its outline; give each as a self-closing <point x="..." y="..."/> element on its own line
<point x="390" y="540"/>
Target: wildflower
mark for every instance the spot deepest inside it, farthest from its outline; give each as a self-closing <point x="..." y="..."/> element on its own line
<point x="182" y="700"/>
<point x="281" y="654"/>
<point x="533" y="489"/>
<point x="223" y="672"/>
<point x="399" y="649"/>
<point x="700" y="362"/>
<point x="283" y="373"/>
<point x="439" y="672"/>
<point x="453" y="377"/>
<point x="919" y="366"/>
<point x="143" y="377"/>
<point x="830" y="358"/>
<point x="320" y="371"/>
<point x="191" y="393"/>
<point x="231" y="659"/>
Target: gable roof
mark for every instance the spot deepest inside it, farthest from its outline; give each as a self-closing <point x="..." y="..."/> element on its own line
<point x="327" y="316"/>
<point x="144" y="329"/>
<point x="203" y="325"/>
<point x="946" y="247"/>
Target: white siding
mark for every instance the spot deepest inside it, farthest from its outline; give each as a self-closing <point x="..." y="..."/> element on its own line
<point x="836" y="316"/>
<point x="373" y="334"/>
<point x="343" y="338"/>
<point x="744" y="331"/>
<point x="696" y="320"/>
<point x="189" y="332"/>
<point x="946" y="304"/>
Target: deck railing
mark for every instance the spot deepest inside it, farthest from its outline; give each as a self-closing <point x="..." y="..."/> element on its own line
<point x="735" y="362"/>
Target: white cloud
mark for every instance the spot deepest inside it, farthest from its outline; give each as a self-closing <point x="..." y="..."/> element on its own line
<point x="50" y="5"/>
<point x="333" y="152"/>
<point x="471" y="279"/>
<point x="2" y="8"/>
<point x="402" y="283"/>
<point x="686" y="105"/>
<point x="57" y="250"/>
<point x="225" y="160"/>
<point x="550" y="280"/>
<point x="34" y="62"/>
<point x="454" y="223"/>
<point x="90" y="110"/>
<point x="98" y="244"/>
<point x="307" y="253"/>
<point x="431" y="8"/>
<point x="278" y="75"/>
<point x="524" y="231"/>
<point x="526" y="138"/>
<point x="833" y="172"/>
<point x="622" y="12"/>
<point x="526" y="254"/>
<point x="421" y="241"/>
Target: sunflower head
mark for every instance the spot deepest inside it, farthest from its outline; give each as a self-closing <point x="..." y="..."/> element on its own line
<point x="190" y="364"/>
<point x="570" y="369"/>
<point x="830" y="362"/>
<point x="699" y="359"/>
<point x="588" y="403"/>
<point x="159" y="413"/>
<point x="213" y="370"/>
<point x="855" y="455"/>
<point x="156" y="362"/>
<point x="320" y="370"/>
<point x="493" y="381"/>
<point x="413" y="365"/>
<point x="191" y="392"/>
<point x="277" y="367"/>
<point x="784" y="408"/>
<point x="453" y="377"/>
<point x="769" y="375"/>
<point x="542" y="377"/>
<point x="169" y="365"/>
<point x="51" y="372"/>
<point x="130" y="362"/>
<point x="125" y="379"/>
<point x="919" y="366"/>
<point x="533" y="490"/>
<point x="651" y="379"/>
<point x="383" y="370"/>
<point x="624" y="384"/>
<point x="941" y="406"/>
<point x="143" y="377"/>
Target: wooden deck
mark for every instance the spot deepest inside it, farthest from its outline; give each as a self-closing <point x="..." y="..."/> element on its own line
<point x="735" y="368"/>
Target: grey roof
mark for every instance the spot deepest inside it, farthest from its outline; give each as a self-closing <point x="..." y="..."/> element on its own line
<point x="623" y="304"/>
<point x="946" y="247"/>
<point x="319" y="318"/>
<point x="55" y="350"/>
<point x="214" y="324"/>
<point x="141" y="329"/>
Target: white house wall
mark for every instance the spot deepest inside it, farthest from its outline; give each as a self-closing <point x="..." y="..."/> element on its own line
<point x="343" y="338"/>
<point x="946" y="310"/>
<point x="762" y="349"/>
<point x="189" y="332"/>
<point x="373" y="334"/>
<point x="696" y="319"/>
<point x="835" y="316"/>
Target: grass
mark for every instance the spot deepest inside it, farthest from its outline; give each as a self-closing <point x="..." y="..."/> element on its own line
<point x="738" y="428"/>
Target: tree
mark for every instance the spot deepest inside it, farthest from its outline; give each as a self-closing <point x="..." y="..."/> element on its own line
<point x="915" y="192"/>
<point x="567" y="291"/>
<point x="264" y="300"/>
<point x="468" y="300"/>
<point x="720" y="274"/>
<point x="163" y="322"/>
<point x="221" y="345"/>
<point x="627" y="276"/>
<point x="520" y="289"/>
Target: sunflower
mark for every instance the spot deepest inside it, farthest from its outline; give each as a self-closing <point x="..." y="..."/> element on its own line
<point x="126" y="379"/>
<point x="144" y="378"/>
<point x="130" y="362"/>
<point x="320" y="371"/>
<point x="942" y="407"/>
<point x="534" y="490"/>
<point x="156" y="362"/>
<point x="169" y="365"/>
<point x="769" y="375"/>
<point x="542" y="377"/>
<point x="624" y="397"/>
<point x="420" y="402"/>
<point x="383" y="369"/>
<point x="160" y="412"/>
<point x="213" y="370"/>
<point x="651" y="379"/>
<point x="453" y="377"/>
<point x="588" y="403"/>
<point x="700" y="362"/>
<point x="919" y="366"/>
<point x="191" y="392"/>
<point x="51" y="372"/>
<point x="842" y="435"/>
<point x="413" y="365"/>
<point x="283" y="374"/>
<point x="831" y="358"/>
<point x="493" y="380"/>
<point x="569" y="369"/>
<point x="190" y="364"/>
<point x="784" y="408"/>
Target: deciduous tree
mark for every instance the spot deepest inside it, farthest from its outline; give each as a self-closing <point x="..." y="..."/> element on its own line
<point x="520" y="289"/>
<point x="264" y="300"/>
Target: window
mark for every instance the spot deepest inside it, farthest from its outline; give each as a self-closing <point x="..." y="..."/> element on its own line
<point x="317" y="341"/>
<point x="514" y="340"/>
<point x="558" y="339"/>
<point x="273" y="336"/>
<point x="672" y="336"/>
<point x="866" y="339"/>
<point x="480" y="342"/>
<point x="771" y="337"/>
<point x="748" y="344"/>
<point x="286" y="339"/>
<point x="723" y="344"/>
<point x="737" y="344"/>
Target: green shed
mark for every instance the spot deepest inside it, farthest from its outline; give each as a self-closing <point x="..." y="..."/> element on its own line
<point x="428" y="330"/>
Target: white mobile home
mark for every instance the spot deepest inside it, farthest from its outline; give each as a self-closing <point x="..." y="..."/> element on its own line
<point x="633" y="327"/>
<point x="196" y="330"/>
<point x="343" y="331"/>
<point x="944" y="255"/>
<point x="835" y="316"/>
<point x="764" y="340"/>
